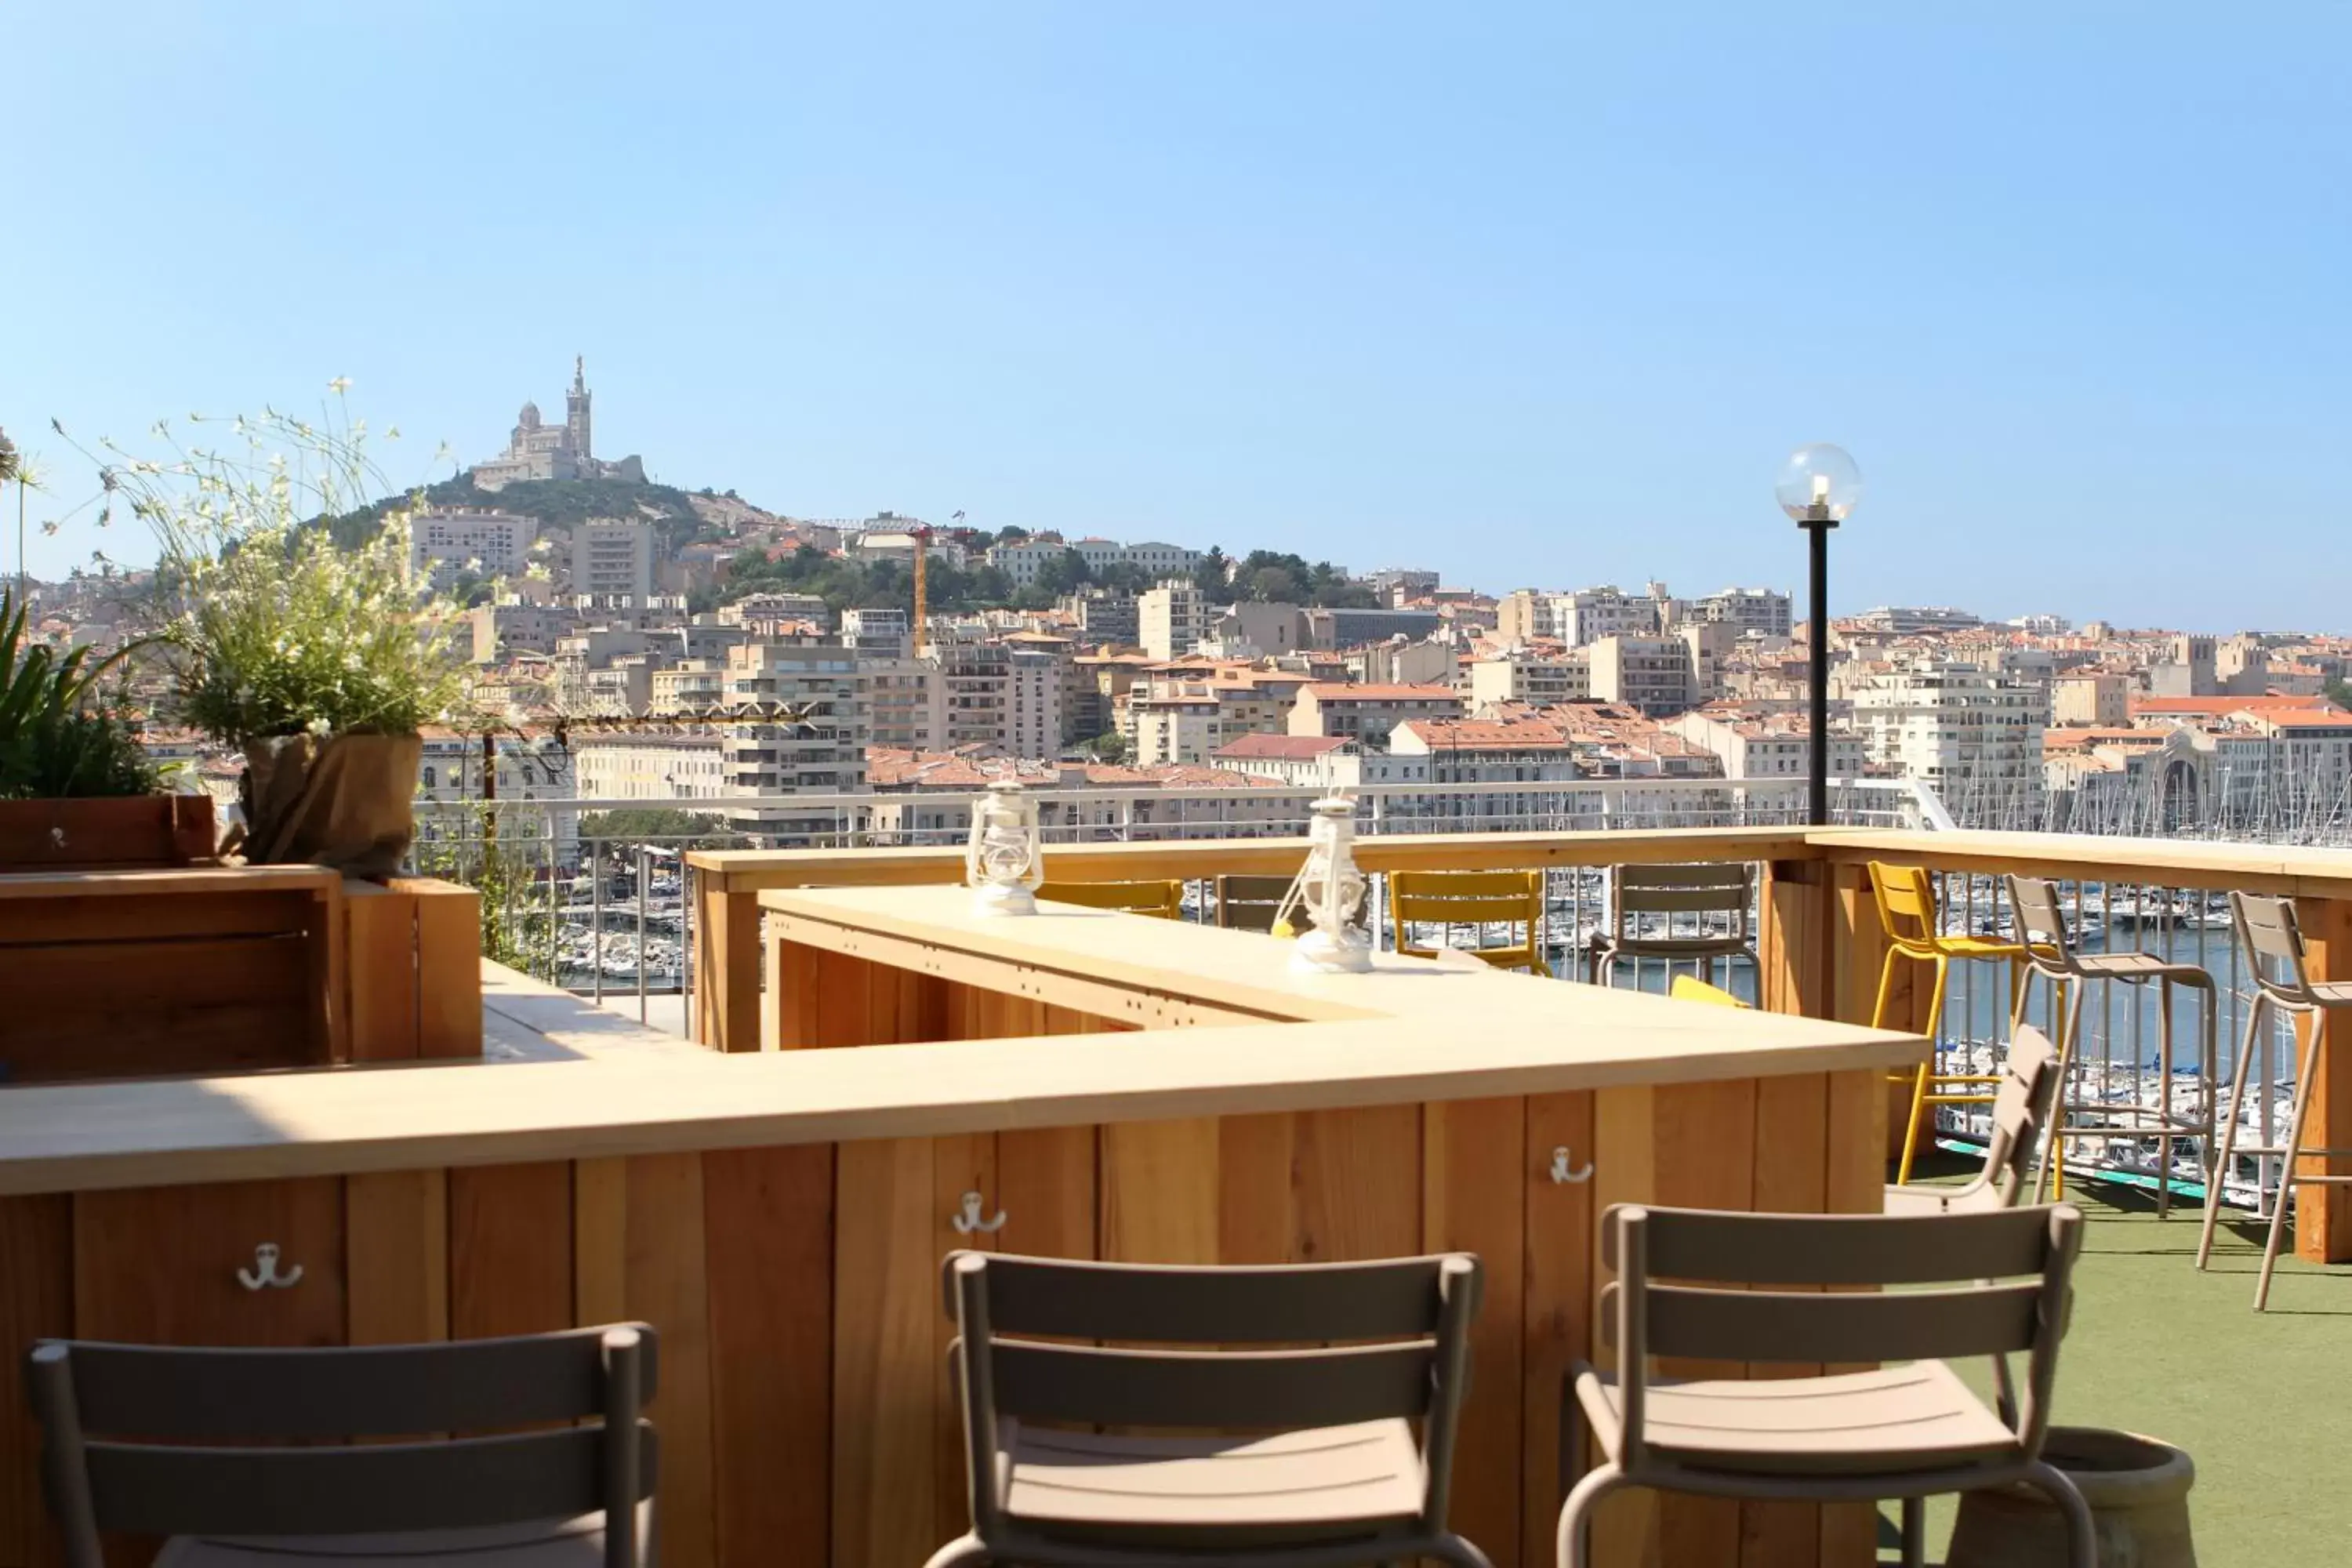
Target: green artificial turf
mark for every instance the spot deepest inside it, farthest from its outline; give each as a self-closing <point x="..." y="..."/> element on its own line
<point x="2262" y="1402"/>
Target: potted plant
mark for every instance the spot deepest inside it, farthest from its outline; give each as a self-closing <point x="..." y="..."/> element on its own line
<point x="296" y="633"/>
<point x="77" y="788"/>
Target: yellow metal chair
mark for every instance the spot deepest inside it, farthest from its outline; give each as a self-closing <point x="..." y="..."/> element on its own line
<point x="1161" y="900"/>
<point x="1691" y="988"/>
<point x="1907" y="908"/>
<point x="1477" y="899"/>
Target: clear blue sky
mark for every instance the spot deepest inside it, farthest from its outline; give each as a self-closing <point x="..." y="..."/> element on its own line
<point x="1532" y="294"/>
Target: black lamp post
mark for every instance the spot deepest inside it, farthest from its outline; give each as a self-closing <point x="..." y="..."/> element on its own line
<point x="1818" y="489"/>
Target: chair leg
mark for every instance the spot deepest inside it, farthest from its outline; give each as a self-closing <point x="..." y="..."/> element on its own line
<point x="2287" y="1162"/>
<point x="1575" y="1540"/>
<point x="1914" y="1532"/>
<point x="1921" y="1112"/>
<point x="2255" y="1017"/>
<point x="1886" y="988"/>
<point x="2054" y="1142"/>
<point x="957" y="1553"/>
<point x="2082" y="1534"/>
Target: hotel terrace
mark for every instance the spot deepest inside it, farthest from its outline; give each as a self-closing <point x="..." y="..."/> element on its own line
<point x="266" y="1107"/>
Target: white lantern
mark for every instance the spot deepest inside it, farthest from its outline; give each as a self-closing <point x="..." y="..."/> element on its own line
<point x="1002" y="862"/>
<point x="1329" y="889"/>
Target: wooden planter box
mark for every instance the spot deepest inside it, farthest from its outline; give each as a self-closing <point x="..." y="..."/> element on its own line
<point x="106" y="835"/>
<point x="145" y="973"/>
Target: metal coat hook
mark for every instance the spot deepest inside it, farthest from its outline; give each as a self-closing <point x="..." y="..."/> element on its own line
<point x="264" y="1273"/>
<point x="57" y="838"/>
<point x="968" y="1222"/>
<point x="1561" y="1175"/>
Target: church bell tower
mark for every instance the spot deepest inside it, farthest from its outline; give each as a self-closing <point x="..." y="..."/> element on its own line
<point x="575" y="414"/>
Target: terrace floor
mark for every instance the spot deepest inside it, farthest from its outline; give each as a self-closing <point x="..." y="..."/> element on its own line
<point x="2261" y="1403"/>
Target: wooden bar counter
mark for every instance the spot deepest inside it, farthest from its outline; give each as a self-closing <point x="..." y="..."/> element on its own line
<point x="1088" y="1084"/>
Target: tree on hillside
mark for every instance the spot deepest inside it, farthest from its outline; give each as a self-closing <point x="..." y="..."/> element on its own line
<point x="1213" y="573"/>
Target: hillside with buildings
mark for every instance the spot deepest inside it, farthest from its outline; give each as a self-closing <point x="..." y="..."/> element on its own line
<point x="644" y="643"/>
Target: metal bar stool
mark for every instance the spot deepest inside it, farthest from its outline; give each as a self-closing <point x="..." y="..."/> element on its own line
<point x="2275" y="951"/>
<point x="1905" y="896"/>
<point x="2051" y="952"/>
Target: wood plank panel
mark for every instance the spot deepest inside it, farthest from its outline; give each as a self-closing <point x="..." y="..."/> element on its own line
<point x="842" y="987"/>
<point x="1791" y="1177"/>
<point x="885" y="1377"/>
<point x="793" y="1007"/>
<point x="1358" y="1184"/>
<point x="1555" y="1310"/>
<point x="1476" y="1178"/>
<point x="1160" y="1190"/>
<point x="600" y="1242"/>
<point x="2322" y="1215"/>
<point x="161" y="1264"/>
<point x="1800" y="961"/>
<point x="1624" y="1170"/>
<point x="727" y="964"/>
<point x="449" y="967"/>
<point x="666" y="1287"/>
<point x="1258" y="1208"/>
<point x="1706" y="1142"/>
<point x="380" y="942"/>
<point x="1855" y="1182"/>
<point x="396" y="1241"/>
<point x="769" y="1247"/>
<point x="35" y="1302"/>
<point x="208" y="1004"/>
<point x="509" y="1249"/>
<point x="960" y="1164"/>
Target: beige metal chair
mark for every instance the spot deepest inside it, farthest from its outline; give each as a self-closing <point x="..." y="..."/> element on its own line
<point x="2273" y="940"/>
<point x="1306" y="1456"/>
<point x="2051" y="953"/>
<point x="1161" y="900"/>
<point x="1911" y="1431"/>
<point x="1249" y="903"/>
<point x="1705" y="910"/>
<point x="2020" y="1113"/>
<point x="249" y="1499"/>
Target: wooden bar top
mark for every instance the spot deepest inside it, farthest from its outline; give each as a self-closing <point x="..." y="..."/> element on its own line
<point x="1409" y="1031"/>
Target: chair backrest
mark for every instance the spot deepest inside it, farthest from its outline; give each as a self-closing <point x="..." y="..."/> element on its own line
<point x="2272" y="938"/>
<point x="2040" y="923"/>
<point x="1905" y="896"/>
<point x="1691" y="988"/>
<point x="1697" y="890"/>
<point x="115" y="1420"/>
<point x="1248" y="903"/>
<point x="1407" y="1322"/>
<point x="2004" y="1277"/>
<point x="2021" y="1111"/>
<point x="1469" y="899"/>
<point x="1162" y="900"/>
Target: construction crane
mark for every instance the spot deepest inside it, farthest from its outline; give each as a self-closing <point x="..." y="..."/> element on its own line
<point x="922" y="534"/>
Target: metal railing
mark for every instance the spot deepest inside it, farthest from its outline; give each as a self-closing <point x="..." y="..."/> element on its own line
<point x="601" y="913"/>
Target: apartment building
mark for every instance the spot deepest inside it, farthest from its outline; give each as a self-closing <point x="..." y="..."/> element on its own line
<point x="502" y="630"/>
<point x="1171" y="620"/>
<point x="817" y="744"/>
<point x="1103" y="617"/>
<point x="2099" y="700"/>
<point x="689" y="686"/>
<point x="1539" y="679"/>
<point x="448" y="542"/>
<point x="1353" y="628"/>
<point x="1369" y="714"/>
<point x="683" y="764"/>
<point x="1319" y="762"/>
<point x="1972" y="735"/>
<point x="877" y="633"/>
<point x="1755" y="745"/>
<point x="1589" y="614"/>
<point x="1651" y="673"/>
<point x="1024" y="560"/>
<point x="1762" y="611"/>
<point x="904" y="702"/>
<point x="613" y="562"/>
<point x="753" y="609"/>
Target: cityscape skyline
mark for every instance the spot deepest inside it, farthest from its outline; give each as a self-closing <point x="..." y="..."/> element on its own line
<point x="1379" y="293"/>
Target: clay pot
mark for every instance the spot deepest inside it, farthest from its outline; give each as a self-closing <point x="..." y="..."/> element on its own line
<point x="2137" y="1488"/>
